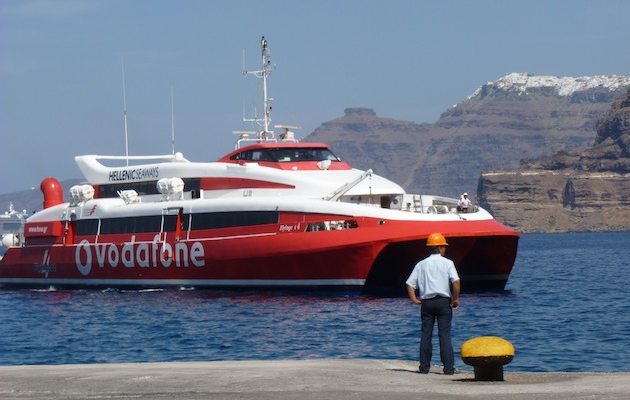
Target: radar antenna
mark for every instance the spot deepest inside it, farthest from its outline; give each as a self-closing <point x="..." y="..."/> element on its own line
<point x="266" y="70"/>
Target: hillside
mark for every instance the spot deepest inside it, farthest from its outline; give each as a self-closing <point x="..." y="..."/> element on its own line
<point x="518" y="116"/>
<point x="545" y="121"/>
<point x="577" y="190"/>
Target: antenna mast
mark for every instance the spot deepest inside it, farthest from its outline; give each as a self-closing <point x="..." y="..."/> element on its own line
<point x="172" y="122"/>
<point x="122" y="63"/>
<point x="267" y="69"/>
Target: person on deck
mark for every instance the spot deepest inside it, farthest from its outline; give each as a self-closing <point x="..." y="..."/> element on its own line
<point x="464" y="203"/>
<point x="438" y="285"/>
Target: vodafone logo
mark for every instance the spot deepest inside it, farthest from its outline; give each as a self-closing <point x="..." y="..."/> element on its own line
<point x="141" y="255"/>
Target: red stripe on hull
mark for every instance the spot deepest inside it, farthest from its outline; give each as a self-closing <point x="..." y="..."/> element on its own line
<point x="381" y="255"/>
<point x="240" y="183"/>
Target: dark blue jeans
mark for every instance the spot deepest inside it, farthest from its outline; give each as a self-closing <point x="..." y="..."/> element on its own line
<point x="437" y="308"/>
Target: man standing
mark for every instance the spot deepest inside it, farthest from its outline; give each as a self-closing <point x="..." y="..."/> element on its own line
<point x="464" y="203"/>
<point x="433" y="278"/>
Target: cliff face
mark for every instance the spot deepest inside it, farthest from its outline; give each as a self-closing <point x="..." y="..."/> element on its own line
<point x="543" y="120"/>
<point x="577" y="190"/>
<point x="518" y="116"/>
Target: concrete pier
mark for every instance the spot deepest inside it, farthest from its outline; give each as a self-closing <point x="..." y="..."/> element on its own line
<point x="293" y="379"/>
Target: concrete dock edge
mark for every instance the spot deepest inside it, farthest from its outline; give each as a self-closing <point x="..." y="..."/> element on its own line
<point x="294" y="379"/>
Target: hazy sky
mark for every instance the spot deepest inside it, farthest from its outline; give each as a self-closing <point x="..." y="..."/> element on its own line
<point x="61" y="81"/>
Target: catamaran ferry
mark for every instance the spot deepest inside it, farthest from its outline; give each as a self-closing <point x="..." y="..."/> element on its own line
<point x="273" y="213"/>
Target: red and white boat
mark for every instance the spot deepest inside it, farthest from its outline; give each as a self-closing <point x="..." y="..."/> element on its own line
<point x="274" y="213"/>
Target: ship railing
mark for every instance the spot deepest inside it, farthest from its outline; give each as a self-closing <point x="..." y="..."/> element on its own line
<point x="428" y="204"/>
<point x="175" y="158"/>
<point x="267" y="136"/>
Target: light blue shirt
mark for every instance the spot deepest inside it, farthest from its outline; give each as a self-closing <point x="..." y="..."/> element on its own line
<point x="433" y="277"/>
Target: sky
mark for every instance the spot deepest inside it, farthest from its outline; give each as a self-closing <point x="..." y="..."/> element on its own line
<point x="63" y="91"/>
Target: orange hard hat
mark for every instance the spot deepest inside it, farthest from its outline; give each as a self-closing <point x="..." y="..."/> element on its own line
<point x="436" y="239"/>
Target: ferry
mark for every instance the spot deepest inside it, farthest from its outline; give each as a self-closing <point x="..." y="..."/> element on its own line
<point x="11" y="227"/>
<point x="275" y="213"/>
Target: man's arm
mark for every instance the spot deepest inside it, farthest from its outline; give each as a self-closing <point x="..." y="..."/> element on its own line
<point x="456" y="288"/>
<point x="411" y="292"/>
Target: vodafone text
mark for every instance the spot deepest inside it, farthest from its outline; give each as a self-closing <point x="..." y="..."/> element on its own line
<point x="142" y="255"/>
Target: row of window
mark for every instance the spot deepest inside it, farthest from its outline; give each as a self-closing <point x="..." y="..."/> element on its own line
<point x="168" y="223"/>
<point x="286" y="155"/>
<point x="145" y="188"/>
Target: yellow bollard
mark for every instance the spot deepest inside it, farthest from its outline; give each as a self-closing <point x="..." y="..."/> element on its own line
<point x="488" y="355"/>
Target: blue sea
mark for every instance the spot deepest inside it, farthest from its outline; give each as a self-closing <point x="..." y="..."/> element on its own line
<point x="565" y="308"/>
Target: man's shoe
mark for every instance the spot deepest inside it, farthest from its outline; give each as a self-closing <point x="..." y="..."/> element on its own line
<point x="453" y="372"/>
<point x="422" y="371"/>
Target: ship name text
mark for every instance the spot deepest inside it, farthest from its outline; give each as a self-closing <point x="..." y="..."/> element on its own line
<point x="290" y="228"/>
<point x="134" y="174"/>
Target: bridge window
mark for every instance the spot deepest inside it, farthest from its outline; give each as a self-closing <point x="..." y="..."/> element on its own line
<point x="286" y="155"/>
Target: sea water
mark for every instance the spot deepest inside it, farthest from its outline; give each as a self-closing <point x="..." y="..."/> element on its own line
<point x="565" y="308"/>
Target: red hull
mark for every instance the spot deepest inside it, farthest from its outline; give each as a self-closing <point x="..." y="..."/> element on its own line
<point x="375" y="257"/>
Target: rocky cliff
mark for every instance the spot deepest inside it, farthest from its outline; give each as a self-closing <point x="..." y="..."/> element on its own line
<point x="576" y="190"/>
<point x="541" y="119"/>
<point x="518" y="116"/>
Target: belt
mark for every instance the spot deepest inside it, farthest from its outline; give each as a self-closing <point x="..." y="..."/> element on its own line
<point x="436" y="298"/>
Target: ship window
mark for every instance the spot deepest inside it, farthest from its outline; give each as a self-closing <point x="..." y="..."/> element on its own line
<point x="11" y="226"/>
<point x="245" y="155"/>
<point x="233" y="219"/>
<point x="286" y="155"/>
<point x="302" y="154"/>
<point x="170" y="223"/>
<point x="252" y="155"/>
<point x="145" y="224"/>
<point x="331" y="225"/>
<point x="87" y="227"/>
<point x="144" y="188"/>
<point x="258" y="155"/>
